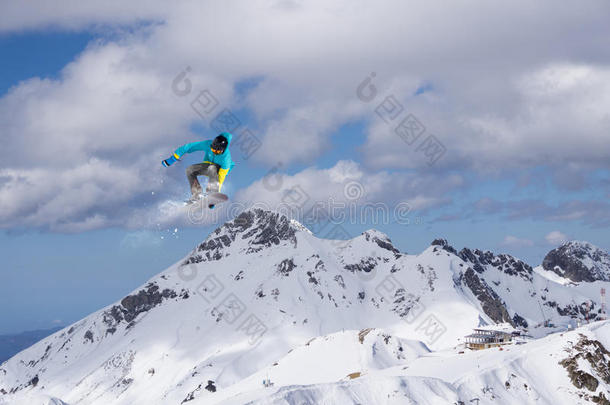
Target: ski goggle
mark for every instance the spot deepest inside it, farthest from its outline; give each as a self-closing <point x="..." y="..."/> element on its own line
<point x="216" y="151"/>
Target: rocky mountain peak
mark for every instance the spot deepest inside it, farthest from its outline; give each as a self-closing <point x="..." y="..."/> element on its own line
<point x="254" y="229"/>
<point x="264" y="228"/>
<point x="380" y="239"/>
<point x="233" y="313"/>
<point x="443" y="244"/>
<point x="579" y="261"/>
<point x="505" y="263"/>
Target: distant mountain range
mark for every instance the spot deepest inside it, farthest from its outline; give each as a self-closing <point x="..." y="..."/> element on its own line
<point x="10" y="345"/>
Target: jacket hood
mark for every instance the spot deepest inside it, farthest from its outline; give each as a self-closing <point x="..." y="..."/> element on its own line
<point x="228" y="136"/>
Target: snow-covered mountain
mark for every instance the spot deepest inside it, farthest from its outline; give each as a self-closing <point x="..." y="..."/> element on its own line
<point x="327" y="322"/>
<point x="579" y="261"/>
<point x="12" y="344"/>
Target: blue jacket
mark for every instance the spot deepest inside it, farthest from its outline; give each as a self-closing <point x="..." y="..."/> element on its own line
<point x="223" y="160"/>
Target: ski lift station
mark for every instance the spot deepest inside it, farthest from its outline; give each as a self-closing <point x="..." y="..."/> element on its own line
<point x="487" y="338"/>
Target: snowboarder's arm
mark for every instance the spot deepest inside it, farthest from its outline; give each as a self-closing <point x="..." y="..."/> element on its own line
<point x="188" y="148"/>
<point x="170" y="160"/>
<point x="192" y="147"/>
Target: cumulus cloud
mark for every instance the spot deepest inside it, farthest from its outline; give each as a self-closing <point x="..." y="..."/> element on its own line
<point x="515" y="242"/>
<point x="595" y="214"/>
<point x="494" y="97"/>
<point x="87" y="196"/>
<point x="341" y="192"/>
<point x="74" y="14"/>
<point x="558" y="102"/>
<point x="554" y="115"/>
<point x="349" y="182"/>
<point x="556" y="238"/>
<point x="310" y="126"/>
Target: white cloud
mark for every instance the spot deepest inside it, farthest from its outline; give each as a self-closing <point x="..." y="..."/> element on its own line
<point x="346" y="186"/>
<point x="556" y="238"/>
<point x="73" y="200"/>
<point x="349" y="184"/>
<point x="302" y="133"/>
<point x="515" y="242"/>
<point x="498" y="98"/>
<point x="555" y="115"/>
<point x="75" y="14"/>
<point x="558" y="102"/>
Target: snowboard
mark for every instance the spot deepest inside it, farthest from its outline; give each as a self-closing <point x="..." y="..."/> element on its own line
<point x="209" y="200"/>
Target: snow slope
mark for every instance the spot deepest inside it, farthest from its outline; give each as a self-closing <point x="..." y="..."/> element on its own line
<point x="524" y="374"/>
<point x="326" y="321"/>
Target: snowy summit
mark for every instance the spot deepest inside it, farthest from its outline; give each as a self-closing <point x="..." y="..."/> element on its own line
<point x="264" y="312"/>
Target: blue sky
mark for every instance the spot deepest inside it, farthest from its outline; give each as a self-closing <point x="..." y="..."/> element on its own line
<point x="87" y="112"/>
<point x="32" y="54"/>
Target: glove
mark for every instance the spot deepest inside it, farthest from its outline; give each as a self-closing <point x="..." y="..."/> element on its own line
<point x="170" y="161"/>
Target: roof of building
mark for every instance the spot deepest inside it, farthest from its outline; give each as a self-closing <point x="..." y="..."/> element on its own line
<point x="502" y="327"/>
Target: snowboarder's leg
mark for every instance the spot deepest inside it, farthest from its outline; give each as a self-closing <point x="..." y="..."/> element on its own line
<point x="212" y="173"/>
<point x="192" y="172"/>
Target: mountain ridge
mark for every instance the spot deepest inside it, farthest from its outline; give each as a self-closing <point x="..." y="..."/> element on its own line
<point x="260" y="287"/>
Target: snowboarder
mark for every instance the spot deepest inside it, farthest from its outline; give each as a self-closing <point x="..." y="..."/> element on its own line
<point x="216" y="164"/>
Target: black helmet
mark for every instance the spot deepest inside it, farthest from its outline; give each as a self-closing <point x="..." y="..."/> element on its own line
<point x="219" y="144"/>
